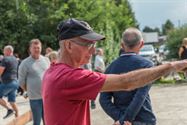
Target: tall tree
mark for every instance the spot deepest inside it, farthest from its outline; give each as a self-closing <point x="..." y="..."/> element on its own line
<point x="167" y="27"/>
<point x="149" y="29"/>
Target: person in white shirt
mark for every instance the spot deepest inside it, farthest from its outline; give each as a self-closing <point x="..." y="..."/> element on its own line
<point x="99" y="64"/>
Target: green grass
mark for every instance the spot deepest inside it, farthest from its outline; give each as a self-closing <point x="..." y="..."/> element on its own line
<point x="165" y="81"/>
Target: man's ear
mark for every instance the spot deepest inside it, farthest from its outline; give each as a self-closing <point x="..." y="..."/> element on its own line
<point x="122" y="45"/>
<point x="68" y="45"/>
<point x="141" y="44"/>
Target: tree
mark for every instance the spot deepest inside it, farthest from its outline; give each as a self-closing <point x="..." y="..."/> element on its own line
<point x="149" y="29"/>
<point x="167" y="27"/>
<point x="13" y="24"/>
<point x="23" y="20"/>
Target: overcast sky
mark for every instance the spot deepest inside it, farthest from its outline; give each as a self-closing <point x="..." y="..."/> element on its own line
<point x="154" y="13"/>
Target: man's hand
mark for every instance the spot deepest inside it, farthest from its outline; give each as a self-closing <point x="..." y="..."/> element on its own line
<point x="179" y="65"/>
<point x="116" y="123"/>
<point x="125" y="123"/>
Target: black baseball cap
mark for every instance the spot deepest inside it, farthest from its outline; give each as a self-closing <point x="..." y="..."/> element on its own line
<point x="76" y="28"/>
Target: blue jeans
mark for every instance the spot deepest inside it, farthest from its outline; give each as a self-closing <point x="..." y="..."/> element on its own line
<point x="37" y="111"/>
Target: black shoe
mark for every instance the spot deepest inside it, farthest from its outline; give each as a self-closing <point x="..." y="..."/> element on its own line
<point x="93" y="105"/>
<point x="10" y="112"/>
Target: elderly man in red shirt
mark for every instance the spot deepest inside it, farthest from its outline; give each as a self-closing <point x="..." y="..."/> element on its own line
<point x="67" y="88"/>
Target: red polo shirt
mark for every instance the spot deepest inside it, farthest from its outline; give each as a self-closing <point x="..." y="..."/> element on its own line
<point x="66" y="92"/>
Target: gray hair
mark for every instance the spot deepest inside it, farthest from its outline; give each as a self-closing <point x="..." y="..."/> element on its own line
<point x="131" y="37"/>
<point x="9" y="47"/>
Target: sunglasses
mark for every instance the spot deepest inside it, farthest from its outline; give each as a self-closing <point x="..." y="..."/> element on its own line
<point x="86" y="43"/>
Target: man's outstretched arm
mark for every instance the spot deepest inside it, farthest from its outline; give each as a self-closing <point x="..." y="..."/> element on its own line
<point x="139" y="78"/>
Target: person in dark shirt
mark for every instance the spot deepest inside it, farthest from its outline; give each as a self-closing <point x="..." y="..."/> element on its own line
<point x="183" y="49"/>
<point x="8" y="72"/>
<point x="183" y="53"/>
<point x="133" y="106"/>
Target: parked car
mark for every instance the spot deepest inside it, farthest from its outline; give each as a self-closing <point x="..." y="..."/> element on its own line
<point x="163" y="52"/>
<point x="149" y="53"/>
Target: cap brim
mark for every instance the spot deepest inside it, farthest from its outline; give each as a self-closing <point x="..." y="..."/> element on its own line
<point x="93" y="36"/>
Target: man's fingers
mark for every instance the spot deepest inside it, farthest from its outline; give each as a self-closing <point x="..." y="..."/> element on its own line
<point x="116" y="123"/>
<point x="179" y="65"/>
<point x="127" y="123"/>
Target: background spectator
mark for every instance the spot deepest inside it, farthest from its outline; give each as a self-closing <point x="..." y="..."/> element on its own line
<point x="30" y="73"/>
<point x="99" y="64"/>
<point x="8" y="73"/>
<point x="133" y="106"/>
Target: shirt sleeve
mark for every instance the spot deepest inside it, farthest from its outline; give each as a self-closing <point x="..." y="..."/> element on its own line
<point x="22" y="73"/>
<point x="4" y="62"/>
<point x="138" y="100"/>
<point x="136" y="104"/>
<point x="83" y="84"/>
<point x="108" y="106"/>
